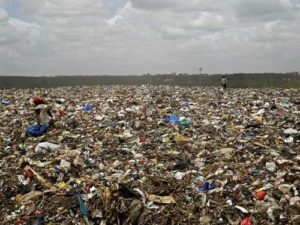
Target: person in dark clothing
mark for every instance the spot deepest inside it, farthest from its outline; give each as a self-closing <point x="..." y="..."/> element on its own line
<point x="224" y="82"/>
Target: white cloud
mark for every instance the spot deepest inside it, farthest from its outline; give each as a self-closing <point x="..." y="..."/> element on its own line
<point x="175" y="32"/>
<point x="209" y="21"/>
<point x="142" y="36"/>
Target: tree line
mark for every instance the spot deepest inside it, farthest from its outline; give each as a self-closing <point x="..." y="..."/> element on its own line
<point x="238" y="80"/>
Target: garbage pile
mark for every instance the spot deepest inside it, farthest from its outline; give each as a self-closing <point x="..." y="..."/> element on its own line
<point x="151" y="155"/>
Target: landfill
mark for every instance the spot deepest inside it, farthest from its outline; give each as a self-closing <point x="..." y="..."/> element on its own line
<point x="138" y="155"/>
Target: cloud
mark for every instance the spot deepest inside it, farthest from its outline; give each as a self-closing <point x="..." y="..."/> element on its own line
<point x="178" y="5"/>
<point x="209" y="21"/>
<point x="174" y="32"/>
<point x="154" y="4"/>
<point x="255" y="7"/>
<point x="3" y="16"/>
<point x="148" y="36"/>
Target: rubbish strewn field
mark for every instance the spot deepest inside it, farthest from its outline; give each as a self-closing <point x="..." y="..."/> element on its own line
<point x="152" y="155"/>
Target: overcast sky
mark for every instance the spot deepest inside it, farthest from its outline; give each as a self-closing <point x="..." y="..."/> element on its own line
<point x="52" y="37"/>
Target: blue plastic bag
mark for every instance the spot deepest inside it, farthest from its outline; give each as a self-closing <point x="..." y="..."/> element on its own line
<point x="37" y="130"/>
<point x="87" y="108"/>
<point x="172" y="119"/>
<point x="4" y="102"/>
<point x="83" y="209"/>
<point x="206" y="187"/>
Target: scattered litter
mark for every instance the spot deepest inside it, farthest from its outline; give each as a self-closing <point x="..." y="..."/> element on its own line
<point x="150" y="155"/>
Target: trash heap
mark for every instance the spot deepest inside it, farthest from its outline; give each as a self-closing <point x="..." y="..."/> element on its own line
<point x="151" y="155"/>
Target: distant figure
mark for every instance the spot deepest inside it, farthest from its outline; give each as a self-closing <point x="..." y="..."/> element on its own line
<point x="43" y="113"/>
<point x="224" y="82"/>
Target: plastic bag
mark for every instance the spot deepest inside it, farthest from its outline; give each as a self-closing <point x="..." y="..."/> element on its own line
<point x="37" y="130"/>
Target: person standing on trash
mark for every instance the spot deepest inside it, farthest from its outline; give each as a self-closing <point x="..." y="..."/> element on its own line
<point x="224" y="82"/>
<point x="43" y="111"/>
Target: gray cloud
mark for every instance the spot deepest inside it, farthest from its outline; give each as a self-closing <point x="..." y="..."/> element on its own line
<point x="149" y="36"/>
<point x="257" y="7"/>
<point x="154" y="4"/>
